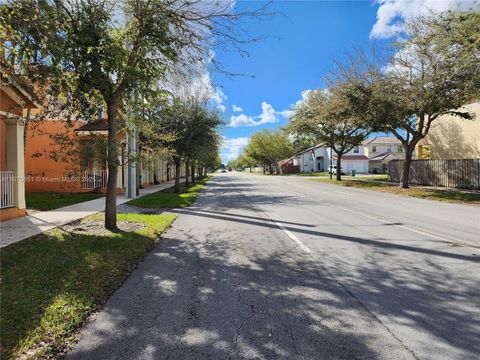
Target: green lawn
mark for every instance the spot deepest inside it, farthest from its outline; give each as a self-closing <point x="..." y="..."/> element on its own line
<point x="414" y="191"/>
<point x="52" y="282"/>
<point x="317" y="173"/>
<point x="327" y="174"/>
<point x="168" y="199"/>
<point x="50" y="200"/>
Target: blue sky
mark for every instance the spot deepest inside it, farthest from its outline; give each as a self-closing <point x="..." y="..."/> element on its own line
<point x="305" y="38"/>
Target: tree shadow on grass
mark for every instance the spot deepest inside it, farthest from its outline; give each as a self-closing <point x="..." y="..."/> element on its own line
<point x="52" y="282"/>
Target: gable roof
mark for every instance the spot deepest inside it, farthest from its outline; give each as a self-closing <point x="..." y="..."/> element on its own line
<point x="307" y="150"/>
<point x="381" y="140"/>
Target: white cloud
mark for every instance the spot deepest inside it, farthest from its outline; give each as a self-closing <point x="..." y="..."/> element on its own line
<point x="304" y="94"/>
<point x="236" y="108"/>
<point x="218" y="97"/>
<point x="203" y="84"/>
<point x="200" y="84"/>
<point x="391" y="14"/>
<point x="232" y="148"/>
<point x="285" y="113"/>
<point x="242" y="120"/>
<point x="268" y="116"/>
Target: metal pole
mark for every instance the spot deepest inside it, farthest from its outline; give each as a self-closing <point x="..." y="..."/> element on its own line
<point x="331" y="162"/>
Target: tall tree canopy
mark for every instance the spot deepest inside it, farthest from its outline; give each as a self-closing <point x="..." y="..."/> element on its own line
<point x="185" y="127"/>
<point x="434" y="72"/>
<point x="87" y="51"/>
<point x="326" y="115"/>
<point x="268" y="147"/>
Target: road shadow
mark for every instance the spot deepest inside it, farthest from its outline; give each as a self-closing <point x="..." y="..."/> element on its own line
<point x="224" y="283"/>
<point x="187" y="303"/>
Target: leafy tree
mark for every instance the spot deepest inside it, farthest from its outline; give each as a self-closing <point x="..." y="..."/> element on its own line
<point x="87" y="51"/>
<point x="185" y="127"/>
<point x="434" y="72"/>
<point x="243" y="161"/>
<point x="205" y="142"/>
<point x="268" y="147"/>
<point x="247" y="161"/>
<point x="328" y="118"/>
<point x="208" y="158"/>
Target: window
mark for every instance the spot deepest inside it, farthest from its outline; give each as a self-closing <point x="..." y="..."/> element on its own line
<point x="399" y="148"/>
<point x="356" y="149"/>
<point x="374" y="149"/>
<point x="389" y="149"/>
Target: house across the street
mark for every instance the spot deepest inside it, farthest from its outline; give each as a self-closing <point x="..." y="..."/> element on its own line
<point x="351" y="162"/>
<point x="317" y="158"/>
<point x="380" y="150"/>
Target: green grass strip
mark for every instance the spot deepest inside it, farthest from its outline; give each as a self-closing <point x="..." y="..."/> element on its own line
<point x="168" y="199"/>
<point x="453" y="196"/>
<point x="49" y="200"/>
<point x="52" y="282"/>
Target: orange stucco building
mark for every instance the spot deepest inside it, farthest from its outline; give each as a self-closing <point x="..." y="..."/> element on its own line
<point x="51" y="157"/>
<point x="15" y="98"/>
<point x="66" y="156"/>
<point x="71" y="157"/>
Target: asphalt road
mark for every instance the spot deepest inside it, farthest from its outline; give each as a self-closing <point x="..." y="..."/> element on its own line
<point x="286" y="268"/>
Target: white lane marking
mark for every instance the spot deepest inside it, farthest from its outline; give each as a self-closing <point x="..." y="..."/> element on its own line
<point x="287" y="232"/>
<point x="293" y="237"/>
<point x="385" y="221"/>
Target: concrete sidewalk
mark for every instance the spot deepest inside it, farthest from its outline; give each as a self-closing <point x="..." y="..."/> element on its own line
<point x="18" y="229"/>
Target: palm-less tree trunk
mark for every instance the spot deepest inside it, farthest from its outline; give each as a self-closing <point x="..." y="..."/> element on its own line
<point x="112" y="164"/>
<point x="409" y="149"/>
<point x="339" y="167"/>
<point x="177" y="177"/>
<point x="193" y="173"/>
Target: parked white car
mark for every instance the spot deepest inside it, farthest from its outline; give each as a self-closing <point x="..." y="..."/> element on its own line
<point x="334" y="169"/>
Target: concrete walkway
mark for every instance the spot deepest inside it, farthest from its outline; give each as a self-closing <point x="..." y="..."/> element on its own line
<point x="18" y="229"/>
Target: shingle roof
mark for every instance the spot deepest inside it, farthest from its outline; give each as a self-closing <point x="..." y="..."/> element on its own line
<point x="96" y="125"/>
<point x="381" y="140"/>
<point x="382" y="156"/>
<point x="285" y="162"/>
<point x="307" y="150"/>
<point x="352" y="157"/>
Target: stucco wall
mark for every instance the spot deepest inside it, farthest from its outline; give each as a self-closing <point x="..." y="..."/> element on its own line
<point x="451" y="137"/>
<point x="41" y="167"/>
<point x="396" y="150"/>
<point x="3" y="145"/>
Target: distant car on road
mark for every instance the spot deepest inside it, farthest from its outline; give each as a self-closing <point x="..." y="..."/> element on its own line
<point x="223" y="171"/>
<point x="334" y="170"/>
